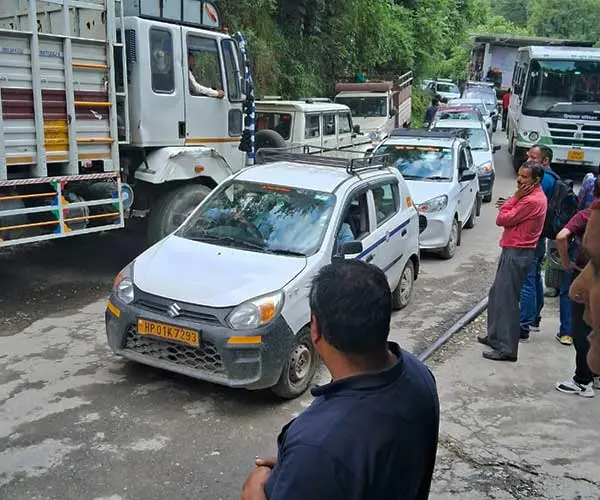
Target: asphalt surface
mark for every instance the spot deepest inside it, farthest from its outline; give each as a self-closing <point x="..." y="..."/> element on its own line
<point x="78" y="423"/>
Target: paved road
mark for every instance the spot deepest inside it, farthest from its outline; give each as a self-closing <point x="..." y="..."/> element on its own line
<point x="78" y="423"/>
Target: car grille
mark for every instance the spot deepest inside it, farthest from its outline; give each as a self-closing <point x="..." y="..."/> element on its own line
<point x="186" y="312"/>
<point x="205" y="358"/>
<point x="571" y="134"/>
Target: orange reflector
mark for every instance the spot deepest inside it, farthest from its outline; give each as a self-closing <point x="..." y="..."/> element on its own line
<point x="267" y="311"/>
<point x="198" y="169"/>
<point x="253" y="339"/>
<point x="113" y="309"/>
<point x="408" y="202"/>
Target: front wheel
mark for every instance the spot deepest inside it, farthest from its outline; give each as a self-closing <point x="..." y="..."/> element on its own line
<point x="470" y="224"/>
<point x="299" y="368"/>
<point x="403" y="292"/>
<point x="173" y="208"/>
<point x="450" y="249"/>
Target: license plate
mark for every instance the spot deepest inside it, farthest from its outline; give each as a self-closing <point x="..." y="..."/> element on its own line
<point x="169" y="332"/>
<point x="575" y="155"/>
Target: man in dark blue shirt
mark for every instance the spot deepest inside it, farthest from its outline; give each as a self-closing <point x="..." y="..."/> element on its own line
<point x="371" y="434"/>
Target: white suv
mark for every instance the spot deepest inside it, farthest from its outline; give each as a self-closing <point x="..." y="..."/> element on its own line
<point x="438" y="168"/>
<point x="225" y="297"/>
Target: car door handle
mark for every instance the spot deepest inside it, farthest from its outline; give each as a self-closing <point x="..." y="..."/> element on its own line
<point x="369" y="258"/>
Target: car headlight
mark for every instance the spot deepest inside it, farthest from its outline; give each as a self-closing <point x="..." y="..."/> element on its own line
<point x="487" y="167"/>
<point x="256" y="312"/>
<point x="533" y="136"/>
<point x="123" y="285"/>
<point x="433" y="205"/>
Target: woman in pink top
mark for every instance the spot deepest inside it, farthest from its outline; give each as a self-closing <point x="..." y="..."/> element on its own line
<point x="522" y="217"/>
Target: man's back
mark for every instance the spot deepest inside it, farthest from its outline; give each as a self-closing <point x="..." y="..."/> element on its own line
<point x="365" y="437"/>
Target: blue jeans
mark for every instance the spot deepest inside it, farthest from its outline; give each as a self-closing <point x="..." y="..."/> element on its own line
<point x="532" y="292"/>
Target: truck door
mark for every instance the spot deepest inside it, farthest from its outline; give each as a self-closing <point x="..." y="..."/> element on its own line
<point x="212" y="121"/>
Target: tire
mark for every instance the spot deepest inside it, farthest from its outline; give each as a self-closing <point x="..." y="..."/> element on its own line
<point x="450" y="249"/>
<point x="403" y="292"/>
<point x="487" y="198"/>
<point x="470" y="224"/>
<point x="101" y="191"/>
<point x="553" y="277"/>
<point x="172" y="209"/>
<point x="267" y="138"/>
<point x="295" y="379"/>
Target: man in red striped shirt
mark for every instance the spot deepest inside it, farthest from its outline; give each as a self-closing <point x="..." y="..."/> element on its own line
<point x="522" y="217"/>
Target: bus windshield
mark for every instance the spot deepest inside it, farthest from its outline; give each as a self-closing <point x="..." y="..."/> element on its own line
<point x="559" y="87"/>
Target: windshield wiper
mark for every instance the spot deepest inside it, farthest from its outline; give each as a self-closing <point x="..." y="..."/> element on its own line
<point x="283" y="251"/>
<point x="409" y="177"/>
<point x="438" y="178"/>
<point x="551" y="107"/>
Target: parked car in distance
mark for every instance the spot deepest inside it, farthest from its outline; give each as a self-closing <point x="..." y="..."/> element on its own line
<point x="481" y="106"/>
<point x="444" y="88"/>
<point x="482" y="150"/>
<point x="488" y="95"/>
<point x="458" y="112"/>
<point x="438" y="168"/>
<point x="224" y="298"/>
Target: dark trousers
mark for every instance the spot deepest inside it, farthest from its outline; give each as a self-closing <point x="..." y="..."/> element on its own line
<point x="503" y="323"/>
<point x="583" y="374"/>
<point x="504" y="117"/>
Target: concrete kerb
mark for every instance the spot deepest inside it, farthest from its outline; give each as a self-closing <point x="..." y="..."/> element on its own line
<point x="463" y="321"/>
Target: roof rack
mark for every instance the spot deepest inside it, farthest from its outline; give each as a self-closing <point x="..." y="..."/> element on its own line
<point x="352" y="166"/>
<point x="421" y="133"/>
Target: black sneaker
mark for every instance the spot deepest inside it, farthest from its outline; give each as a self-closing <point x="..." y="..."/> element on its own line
<point x="524" y="336"/>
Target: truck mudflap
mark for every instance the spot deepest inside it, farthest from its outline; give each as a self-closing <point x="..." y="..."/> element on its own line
<point x="46" y="208"/>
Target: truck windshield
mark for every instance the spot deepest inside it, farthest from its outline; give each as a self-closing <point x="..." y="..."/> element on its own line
<point x="365" y="107"/>
<point x="420" y="162"/>
<point x="262" y="218"/>
<point x="559" y="87"/>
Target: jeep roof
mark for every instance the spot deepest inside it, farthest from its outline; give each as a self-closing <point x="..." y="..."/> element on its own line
<point x="307" y="106"/>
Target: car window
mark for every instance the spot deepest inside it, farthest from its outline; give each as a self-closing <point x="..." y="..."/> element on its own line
<point x="355" y="223"/>
<point x="204" y="62"/>
<point x="313" y="127"/>
<point x="262" y="218"/>
<point x="386" y="202"/>
<point x="448" y="87"/>
<point x="329" y="124"/>
<point x="344" y="123"/>
<point x="462" y="161"/>
<point x="279" y="122"/>
<point x="432" y="163"/>
<point x="476" y="137"/>
<point x="161" y="62"/>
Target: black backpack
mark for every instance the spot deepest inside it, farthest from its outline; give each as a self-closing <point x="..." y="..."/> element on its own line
<point x="562" y="205"/>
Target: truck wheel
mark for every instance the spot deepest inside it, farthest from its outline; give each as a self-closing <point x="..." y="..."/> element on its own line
<point x="267" y="138"/>
<point x="403" y="292"/>
<point x="299" y="368"/>
<point x="172" y="209"/>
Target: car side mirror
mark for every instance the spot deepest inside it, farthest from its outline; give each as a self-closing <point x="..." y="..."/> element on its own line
<point x="496" y="148"/>
<point x="356" y="129"/>
<point x="467" y="175"/>
<point x="351" y="248"/>
<point x="422" y="223"/>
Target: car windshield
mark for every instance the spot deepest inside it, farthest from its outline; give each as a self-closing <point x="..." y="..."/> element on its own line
<point x="449" y="88"/>
<point x="365" y="107"/>
<point x="420" y="162"/>
<point x="279" y="122"/>
<point x="489" y="97"/>
<point x="480" y="105"/>
<point x="457" y="114"/>
<point x="476" y="137"/>
<point x="262" y="218"/>
<point x="558" y="87"/>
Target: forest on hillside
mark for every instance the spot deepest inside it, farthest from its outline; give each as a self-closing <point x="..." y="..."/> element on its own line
<point x="300" y="47"/>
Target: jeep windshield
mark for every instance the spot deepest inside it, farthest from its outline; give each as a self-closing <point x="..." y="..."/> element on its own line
<point x="262" y="218"/>
<point x="420" y="162"/>
<point x="365" y="107"/>
<point x="558" y="88"/>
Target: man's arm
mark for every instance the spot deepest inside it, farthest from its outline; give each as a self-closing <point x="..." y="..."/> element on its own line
<point x="202" y="90"/>
<point x="562" y="245"/>
<point x="307" y="472"/>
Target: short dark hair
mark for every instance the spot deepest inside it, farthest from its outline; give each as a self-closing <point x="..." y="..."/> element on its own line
<point x="537" y="169"/>
<point x="435" y="100"/>
<point x="546" y="151"/>
<point x="351" y="302"/>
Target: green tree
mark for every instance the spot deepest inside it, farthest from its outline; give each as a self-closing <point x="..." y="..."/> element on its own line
<point x="576" y="19"/>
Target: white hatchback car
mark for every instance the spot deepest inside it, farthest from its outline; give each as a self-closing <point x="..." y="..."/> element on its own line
<point x="483" y="108"/>
<point x="225" y="297"/>
<point x="438" y="168"/>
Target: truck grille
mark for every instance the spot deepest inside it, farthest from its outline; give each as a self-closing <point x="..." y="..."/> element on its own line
<point x="205" y="358"/>
<point x="571" y="134"/>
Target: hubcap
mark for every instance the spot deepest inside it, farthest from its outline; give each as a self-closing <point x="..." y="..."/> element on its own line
<point x="406" y="283"/>
<point x="300" y="362"/>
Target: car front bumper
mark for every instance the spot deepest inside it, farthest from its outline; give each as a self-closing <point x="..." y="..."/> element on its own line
<point x="217" y="360"/>
<point x="437" y="232"/>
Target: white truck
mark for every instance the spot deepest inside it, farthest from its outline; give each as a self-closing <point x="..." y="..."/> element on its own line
<point x="378" y="106"/>
<point x="101" y="118"/>
<point x="556" y="102"/>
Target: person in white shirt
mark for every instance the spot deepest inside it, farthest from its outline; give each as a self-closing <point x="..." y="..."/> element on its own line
<point x="195" y="87"/>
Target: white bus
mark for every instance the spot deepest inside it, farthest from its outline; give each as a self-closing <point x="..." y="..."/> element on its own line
<point x="556" y="102"/>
